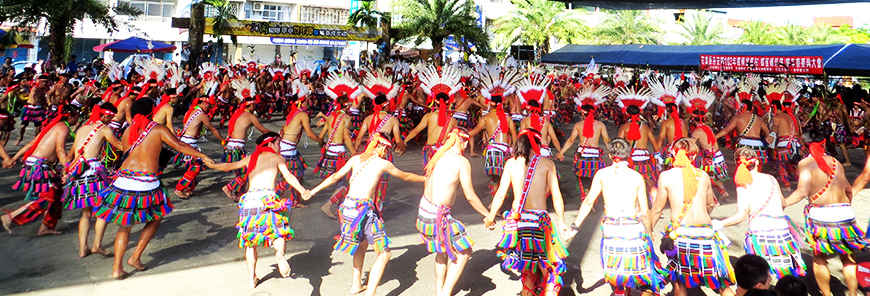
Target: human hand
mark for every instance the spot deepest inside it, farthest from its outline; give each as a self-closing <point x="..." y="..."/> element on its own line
<point x="489" y="223"/>
<point x="208" y="161"/>
<point x="717" y="224"/>
<point x="8" y="163"/>
<point x="560" y="156"/>
<point x="306" y="195"/>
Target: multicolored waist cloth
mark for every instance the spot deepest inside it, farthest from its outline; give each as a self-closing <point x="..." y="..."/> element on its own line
<point x="788" y="149"/>
<point x="295" y="162"/>
<point x="33" y="113"/>
<point x="332" y="160"/>
<point x="755" y="144"/>
<point x="496" y="155"/>
<point x="587" y="161"/>
<point x="263" y="218"/>
<point x="184" y="160"/>
<point x="627" y="255"/>
<point x="428" y="152"/>
<point x="772" y="238"/>
<point x="134" y="197"/>
<point x="832" y="229"/>
<point x="644" y="164"/>
<point x="714" y="164"/>
<point x="37" y="176"/>
<point x="360" y="221"/>
<point x="234" y="151"/>
<point x="531" y="243"/>
<point x="86" y="180"/>
<point x="700" y="258"/>
<point x="463" y="119"/>
<point x="440" y="231"/>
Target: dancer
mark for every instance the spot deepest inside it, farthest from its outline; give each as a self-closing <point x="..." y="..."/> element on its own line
<point x="628" y="258"/>
<point x="441" y="89"/>
<point x="334" y="151"/>
<point x="697" y="255"/>
<point x="666" y="94"/>
<point x="39" y="178"/>
<point x="361" y="224"/>
<point x="770" y="234"/>
<point x="86" y="176"/>
<point x="164" y="112"/>
<point x="297" y="121"/>
<point x="532" y="94"/>
<point x="698" y="100"/>
<point x="242" y="119"/>
<point x="263" y="214"/>
<point x="788" y="128"/>
<point x="830" y="221"/>
<point x="530" y="243"/>
<point x="752" y="126"/>
<point x="136" y="195"/>
<point x="440" y="232"/>
<point x="34" y="110"/>
<point x="194" y="121"/>
<point x="639" y="134"/>
<point x="502" y="134"/>
<point x="587" y="158"/>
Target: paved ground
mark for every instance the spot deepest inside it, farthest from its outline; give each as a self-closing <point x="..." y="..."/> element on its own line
<point x="196" y="251"/>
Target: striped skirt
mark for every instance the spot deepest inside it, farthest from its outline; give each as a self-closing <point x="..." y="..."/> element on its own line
<point x="496" y="155"/>
<point x="770" y="238"/>
<point x="714" y="165"/>
<point x="531" y="243"/>
<point x="700" y="258"/>
<point x="832" y="229"/>
<point x="262" y="219"/>
<point x="85" y="184"/>
<point x="36" y="176"/>
<point x="627" y="256"/>
<point x="754" y="144"/>
<point x="360" y="221"/>
<point x="440" y="232"/>
<point x="587" y="161"/>
<point x="133" y="198"/>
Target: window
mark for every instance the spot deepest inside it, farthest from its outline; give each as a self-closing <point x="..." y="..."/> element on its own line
<point x="247" y="10"/>
<point x="154" y="8"/>
<point x="323" y="15"/>
<point x="273" y="13"/>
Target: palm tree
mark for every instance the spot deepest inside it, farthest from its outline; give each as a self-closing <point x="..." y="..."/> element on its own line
<point x="792" y="34"/>
<point x="825" y="34"/>
<point x="61" y="17"/>
<point x="367" y="16"/>
<point x="536" y="21"/>
<point x="222" y="17"/>
<point x="757" y="32"/>
<point x="439" y="19"/>
<point x="627" y="27"/>
<point x="702" y="30"/>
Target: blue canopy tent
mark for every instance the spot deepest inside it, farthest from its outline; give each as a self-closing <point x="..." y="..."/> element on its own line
<point x="838" y="59"/>
<point x="136" y="45"/>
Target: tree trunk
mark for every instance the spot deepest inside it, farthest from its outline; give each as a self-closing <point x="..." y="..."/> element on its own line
<point x="388" y="47"/>
<point x="543" y="49"/>
<point x="57" y="41"/>
<point x="219" y="52"/>
<point x="194" y="34"/>
<point x="437" y="45"/>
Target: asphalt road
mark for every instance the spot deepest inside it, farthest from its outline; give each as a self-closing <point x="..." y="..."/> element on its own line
<point x="195" y="251"/>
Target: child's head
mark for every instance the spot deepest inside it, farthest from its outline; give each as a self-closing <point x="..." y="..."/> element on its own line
<point x="752" y="273"/>
<point x="790" y="286"/>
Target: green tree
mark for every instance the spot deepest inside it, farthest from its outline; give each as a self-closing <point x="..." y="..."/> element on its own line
<point x="439" y="19"/>
<point x="61" y="17"/>
<point x="792" y="34"/>
<point x="627" y="27"/>
<point x="223" y="18"/>
<point x="757" y="32"/>
<point x="369" y="17"/>
<point x="702" y="30"/>
<point x="825" y="34"/>
<point x="537" y="22"/>
<point x="855" y="35"/>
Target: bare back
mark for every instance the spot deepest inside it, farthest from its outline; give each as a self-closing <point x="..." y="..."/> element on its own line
<point x="95" y="146"/>
<point x="624" y="191"/>
<point x="811" y="176"/>
<point x="444" y="180"/>
<point x="671" y="185"/>
<point x="539" y="188"/>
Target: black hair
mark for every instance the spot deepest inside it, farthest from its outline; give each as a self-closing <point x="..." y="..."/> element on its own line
<point x="109" y="107"/>
<point x="6" y="113"/>
<point x="170" y="91"/>
<point x="588" y="108"/>
<point x="523" y="147"/>
<point x="136" y="89"/>
<point x="496" y="99"/>
<point x="748" y="103"/>
<point x="751" y="270"/>
<point x="265" y="136"/>
<point x="534" y="103"/>
<point x="813" y="135"/>
<point x="293" y="97"/>
<point x="341" y="100"/>
<point x="442" y="97"/>
<point x="143" y="106"/>
<point x="632" y="110"/>
<point x="380" y="99"/>
<point x="790" y="286"/>
<point x="71" y="110"/>
<point x="619" y="148"/>
<point x="152" y="81"/>
<point x="98" y="84"/>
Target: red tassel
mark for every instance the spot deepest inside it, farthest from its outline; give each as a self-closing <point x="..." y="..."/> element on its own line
<point x="375" y="120"/>
<point x="589" y="125"/>
<point x="442" y="113"/>
<point x="536" y="121"/>
<point x="817" y="150"/>
<point x="678" y="123"/>
<point x="502" y="118"/>
<point x="634" y="129"/>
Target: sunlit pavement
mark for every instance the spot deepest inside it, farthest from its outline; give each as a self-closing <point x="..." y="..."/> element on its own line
<point x="195" y="251"/>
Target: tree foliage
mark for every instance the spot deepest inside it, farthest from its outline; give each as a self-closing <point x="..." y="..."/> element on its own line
<point x="61" y="17"/>
<point x="792" y="34"/>
<point x="757" y="32"/>
<point x="222" y="17"/>
<point x="439" y="19"/>
<point x="627" y="27"/>
<point x="702" y="29"/>
<point x="537" y="22"/>
<point x="369" y="17"/>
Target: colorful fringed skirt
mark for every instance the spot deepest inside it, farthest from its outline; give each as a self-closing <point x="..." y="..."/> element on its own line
<point x="700" y="258"/>
<point x="532" y="243"/>
<point x="771" y="238"/>
<point x="295" y="162"/>
<point x="332" y="160"/>
<point x="184" y="160"/>
<point x="645" y="165"/>
<point x="37" y="176"/>
<point x="714" y="164"/>
<point x="754" y="144"/>
<point x="85" y="183"/>
<point x="33" y="113"/>
<point x="134" y="197"/>
<point x="428" y="152"/>
<point x="832" y="229"/>
<point x="463" y="120"/>
<point x="587" y="161"/>
<point x="496" y="155"/>
<point x="788" y="150"/>
<point x="360" y="221"/>
<point x="440" y="232"/>
<point x="263" y="218"/>
<point x="627" y="255"/>
<point x="234" y="151"/>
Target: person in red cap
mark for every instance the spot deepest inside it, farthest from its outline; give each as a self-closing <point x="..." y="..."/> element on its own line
<point x="164" y="112"/>
<point x="296" y="123"/>
<point x="335" y="149"/>
<point x="234" y="150"/>
<point x="58" y="95"/>
<point x="86" y="176"/>
<point x="194" y="121"/>
<point x="530" y="242"/>
<point x="589" y="131"/>
<point x="666" y="95"/>
<point x="39" y="178"/>
<point x="830" y="220"/>
<point x="441" y="89"/>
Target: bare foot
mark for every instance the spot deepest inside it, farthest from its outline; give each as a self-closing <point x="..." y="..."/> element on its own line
<point x="254" y="282"/>
<point x="357" y="290"/>
<point x="7" y="222"/>
<point x="326" y="210"/>
<point x="848" y="164"/>
<point x="725" y="194"/>
<point x="137" y="265"/>
<point x="182" y="194"/>
<point x="101" y="252"/>
<point x="300" y="206"/>
<point x="229" y="193"/>
<point x="120" y="275"/>
<point x="475" y="155"/>
<point x="18" y="142"/>
<point x="84" y="253"/>
<point x="47" y="231"/>
<point x="284" y="268"/>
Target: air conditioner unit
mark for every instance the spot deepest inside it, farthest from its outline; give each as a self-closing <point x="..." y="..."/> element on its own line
<point x="258" y="6"/>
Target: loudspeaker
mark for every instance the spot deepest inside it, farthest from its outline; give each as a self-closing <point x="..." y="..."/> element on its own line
<point x="523" y="52"/>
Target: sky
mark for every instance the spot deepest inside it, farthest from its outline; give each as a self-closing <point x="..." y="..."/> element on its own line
<point x="801" y="15"/>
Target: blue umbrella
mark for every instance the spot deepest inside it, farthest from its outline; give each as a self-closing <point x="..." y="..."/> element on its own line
<point x="136" y="45"/>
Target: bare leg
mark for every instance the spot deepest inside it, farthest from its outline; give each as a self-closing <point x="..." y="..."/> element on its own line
<point x="6" y="219"/>
<point x="680" y="289"/>
<point x="147" y="233"/>
<point x="823" y="276"/>
<point x="440" y="272"/>
<point x="359" y="259"/>
<point x="845" y="154"/>
<point x="454" y="270"/>
<point x="121" y="240"/>
<point x="327" y="209"/>
<point x="377" y="272"/>
<point x="99" y="231"/>
<point x="21" y="134"/>
<point x="529" y="282"/>
<point x="283" y="266"/>
<point x="726" y="291"/>
<point x="84" y="226"/>
<point x="849" y="273"/>
<point x="251" y="259"/>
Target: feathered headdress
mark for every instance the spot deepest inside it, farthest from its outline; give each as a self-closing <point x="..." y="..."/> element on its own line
<point x="591" y="71"/>
<point x="305" y="66"/>
<point x="447" y="82"/>
<point x="277" y="74"/>
<point x="633" y="97"/>
<point x="150" y="69"/>
<point x="591" y="96"/>
<point x="533" y="90"/>
<point x="699" y="99"/>
<point x="336" y="85"/>
<point x="207" y="70"/>
<point x="115" y="73"/>
<point x="667" y="91"/>
<point x="791" y="92"/>
<point x="299" y="89"/>
<point x="775" y="91"/>
<point x="173" y="72"/>
<point x="376" y="83"/>
<point x="621" y="78"/>
<point x="244" y="88"/>
<point x="496" y="83"/>
<point x="510" y="62"/>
